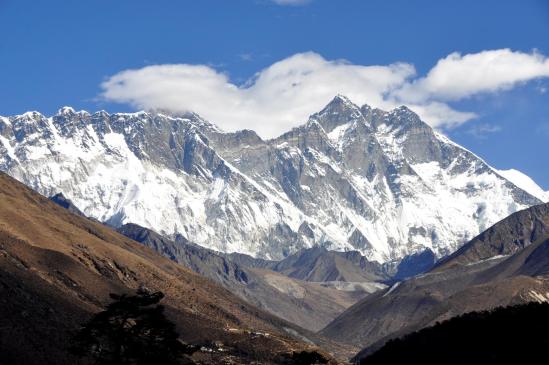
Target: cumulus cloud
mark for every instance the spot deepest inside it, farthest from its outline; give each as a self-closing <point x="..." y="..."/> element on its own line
<point x="274" y="100"/>
<point x="284" y="94"/>
<point x="435" y="113"/>
<point x="456" y="77"/>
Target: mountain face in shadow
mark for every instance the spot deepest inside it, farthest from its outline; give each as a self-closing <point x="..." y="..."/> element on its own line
<point x="60" y="199"/>
<point x="505" y="238"/>
<point x="506" y="265"/>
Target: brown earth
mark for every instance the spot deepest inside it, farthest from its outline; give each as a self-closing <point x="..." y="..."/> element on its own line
<point x="311" y="305"/>
<point x="57" y="269"/>
<point x="506" y="265"/>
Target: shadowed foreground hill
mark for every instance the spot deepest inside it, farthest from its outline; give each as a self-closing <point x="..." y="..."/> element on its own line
<point x="311" y="305"/>
<point x="57" y="269"/>
<point x="510" y="335"/>
<point x="506" y="265"/>
<point x="504" y="238"/>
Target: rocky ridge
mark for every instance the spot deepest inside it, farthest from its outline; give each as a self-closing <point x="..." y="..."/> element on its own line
<point x="351" y="178"/>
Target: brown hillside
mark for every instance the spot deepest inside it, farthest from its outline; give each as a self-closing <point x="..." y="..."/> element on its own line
<point x="57" y="268"/>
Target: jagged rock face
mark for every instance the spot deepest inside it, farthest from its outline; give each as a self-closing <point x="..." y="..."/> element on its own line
<point x="351" y="178"/>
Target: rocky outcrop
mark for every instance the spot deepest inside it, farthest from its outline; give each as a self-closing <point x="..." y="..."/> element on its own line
<point x="351" y="178"/>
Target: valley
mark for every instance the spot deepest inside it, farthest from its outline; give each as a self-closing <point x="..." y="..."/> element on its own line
<point x="308" y="243"/>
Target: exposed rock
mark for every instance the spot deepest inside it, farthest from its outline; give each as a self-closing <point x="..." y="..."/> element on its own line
<point x="351" y="178"/>
<point x="506" y="265"/>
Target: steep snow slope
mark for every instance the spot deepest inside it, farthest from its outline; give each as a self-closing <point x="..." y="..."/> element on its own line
<point x="525" y="183"/>
<point x="383" y="183"/>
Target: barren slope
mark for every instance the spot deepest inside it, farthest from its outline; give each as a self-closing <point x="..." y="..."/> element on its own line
<point x="56" y="268"/>
<point x="311" y="305"/>
<point x="479" y="278"/>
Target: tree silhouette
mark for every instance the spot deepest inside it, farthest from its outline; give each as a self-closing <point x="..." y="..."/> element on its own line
<point x="132" y="330"/>
<point x="506" y="335"/>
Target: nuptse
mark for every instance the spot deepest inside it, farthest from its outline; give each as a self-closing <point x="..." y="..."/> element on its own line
<point x="351" y="178"/>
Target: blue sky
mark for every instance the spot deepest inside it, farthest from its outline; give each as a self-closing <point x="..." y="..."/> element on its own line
<point x="56" y="53"/>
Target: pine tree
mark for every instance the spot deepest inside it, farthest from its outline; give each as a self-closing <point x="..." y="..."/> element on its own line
<point x="132" y="330"/>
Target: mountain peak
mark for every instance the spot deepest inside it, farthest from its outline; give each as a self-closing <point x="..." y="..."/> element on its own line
<point x="342" y="98"/>
<point x="403" y="119"/>
<point x="334" y="184"/>
<point x="101" y="113"/>
<point x="66" y="110"/>
<point x="341" y="101"/>
<point x="365" y="108"/>
<point x="404" y="110"/>
<point x="337" y="112"/>
<point x="30" y="115"/>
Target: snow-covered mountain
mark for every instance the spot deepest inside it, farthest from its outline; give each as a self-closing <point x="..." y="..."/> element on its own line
<point x="525" y="183"/>
<point x="351" y="178"/>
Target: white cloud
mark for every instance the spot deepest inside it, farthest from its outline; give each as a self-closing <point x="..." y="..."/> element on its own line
<point x="438" y="114"/>
<point x="284" y="94"/>
<point x="276" y="99"/>
<point x="456" y="77"/>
